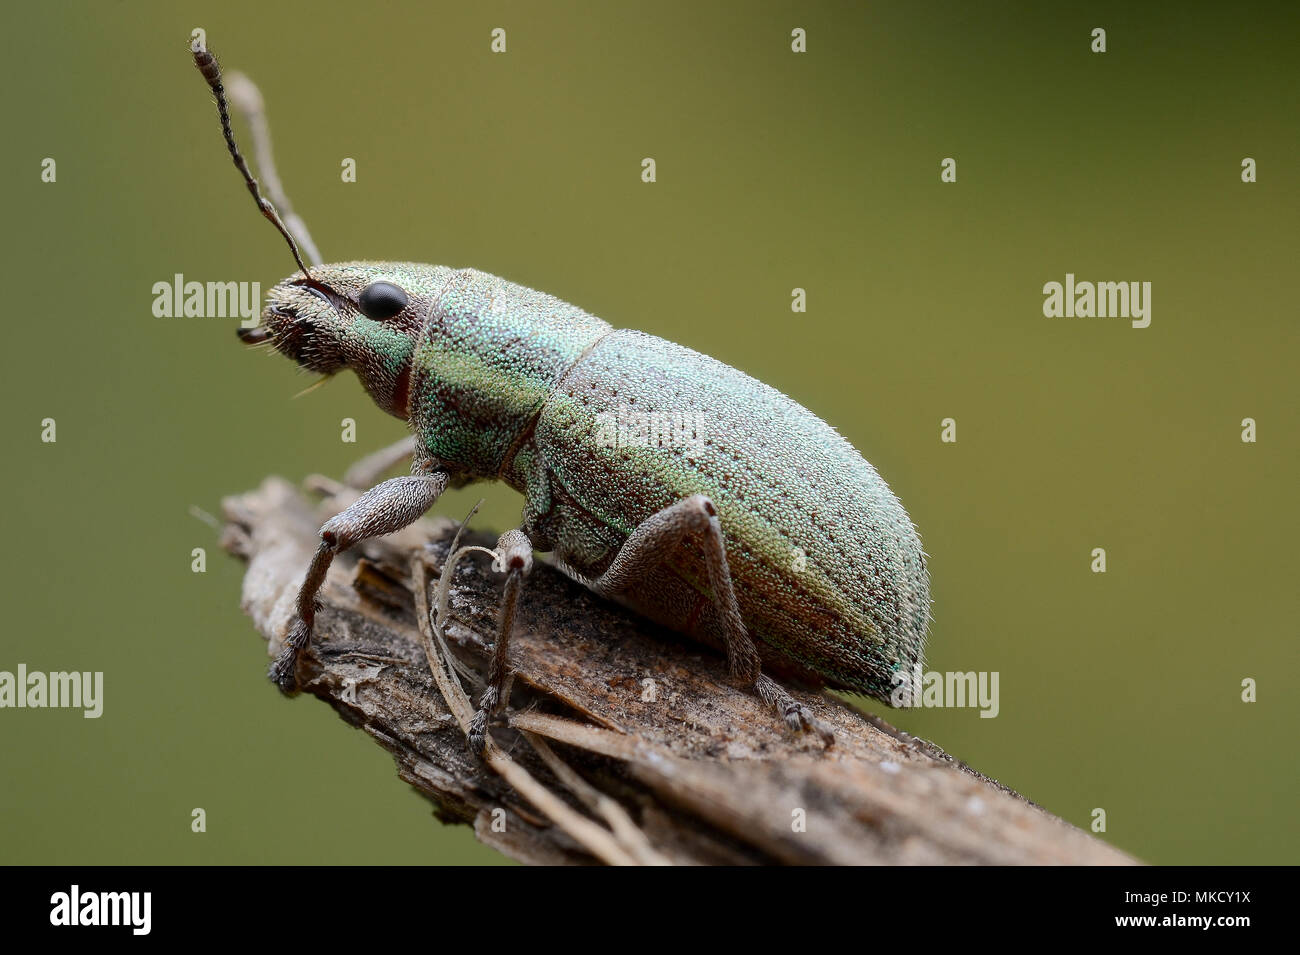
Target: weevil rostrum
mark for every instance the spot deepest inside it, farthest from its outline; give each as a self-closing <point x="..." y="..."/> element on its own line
<point x="770" y="537"/>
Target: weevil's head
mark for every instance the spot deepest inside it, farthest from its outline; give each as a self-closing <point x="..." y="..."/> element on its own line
<point x="360" y="315"/>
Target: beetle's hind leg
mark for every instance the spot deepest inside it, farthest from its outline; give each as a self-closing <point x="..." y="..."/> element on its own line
<point x="515" y="557"/>
<point x="652" y="543"/>
<point x="797" y="716"/>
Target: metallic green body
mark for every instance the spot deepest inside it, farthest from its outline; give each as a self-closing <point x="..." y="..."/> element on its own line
<point x="498" y="381"/>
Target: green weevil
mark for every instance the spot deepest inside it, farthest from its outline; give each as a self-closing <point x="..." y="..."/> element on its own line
<point x="766" y="535"/>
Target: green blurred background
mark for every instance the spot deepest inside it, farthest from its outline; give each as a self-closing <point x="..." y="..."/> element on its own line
<point x="775" y="170"/>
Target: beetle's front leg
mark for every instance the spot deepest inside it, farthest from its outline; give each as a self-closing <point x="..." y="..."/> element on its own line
<point x="385" y="508"/>
<point x="652" y="543"/>
<point x="515" y="557"/>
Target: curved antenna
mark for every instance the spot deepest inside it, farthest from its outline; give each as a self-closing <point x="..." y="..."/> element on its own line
<point x="211" y="70"/>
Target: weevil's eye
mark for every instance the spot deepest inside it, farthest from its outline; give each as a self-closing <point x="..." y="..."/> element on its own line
<point x="381" y="300"/>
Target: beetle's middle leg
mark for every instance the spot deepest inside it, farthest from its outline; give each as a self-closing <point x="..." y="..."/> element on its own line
<point x="653" y="542"/>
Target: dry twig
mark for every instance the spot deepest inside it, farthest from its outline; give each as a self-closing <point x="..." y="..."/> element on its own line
<point x="625" y="743"/>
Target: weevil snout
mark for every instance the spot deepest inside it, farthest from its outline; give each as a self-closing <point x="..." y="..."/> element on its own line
<point x="253" y="336"/>
<point x="303" y="322"/>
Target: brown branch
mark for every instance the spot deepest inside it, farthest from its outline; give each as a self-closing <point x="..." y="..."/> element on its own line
<point x="591" y="767"/>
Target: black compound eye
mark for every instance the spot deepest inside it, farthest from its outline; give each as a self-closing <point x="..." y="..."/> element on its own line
<point x="381" y="300"/>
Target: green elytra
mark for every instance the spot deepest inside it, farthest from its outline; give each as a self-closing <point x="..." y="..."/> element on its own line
<point x="501" y="382"/>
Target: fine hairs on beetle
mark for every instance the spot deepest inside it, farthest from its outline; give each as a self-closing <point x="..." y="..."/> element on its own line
<point x="766" y="535"/>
